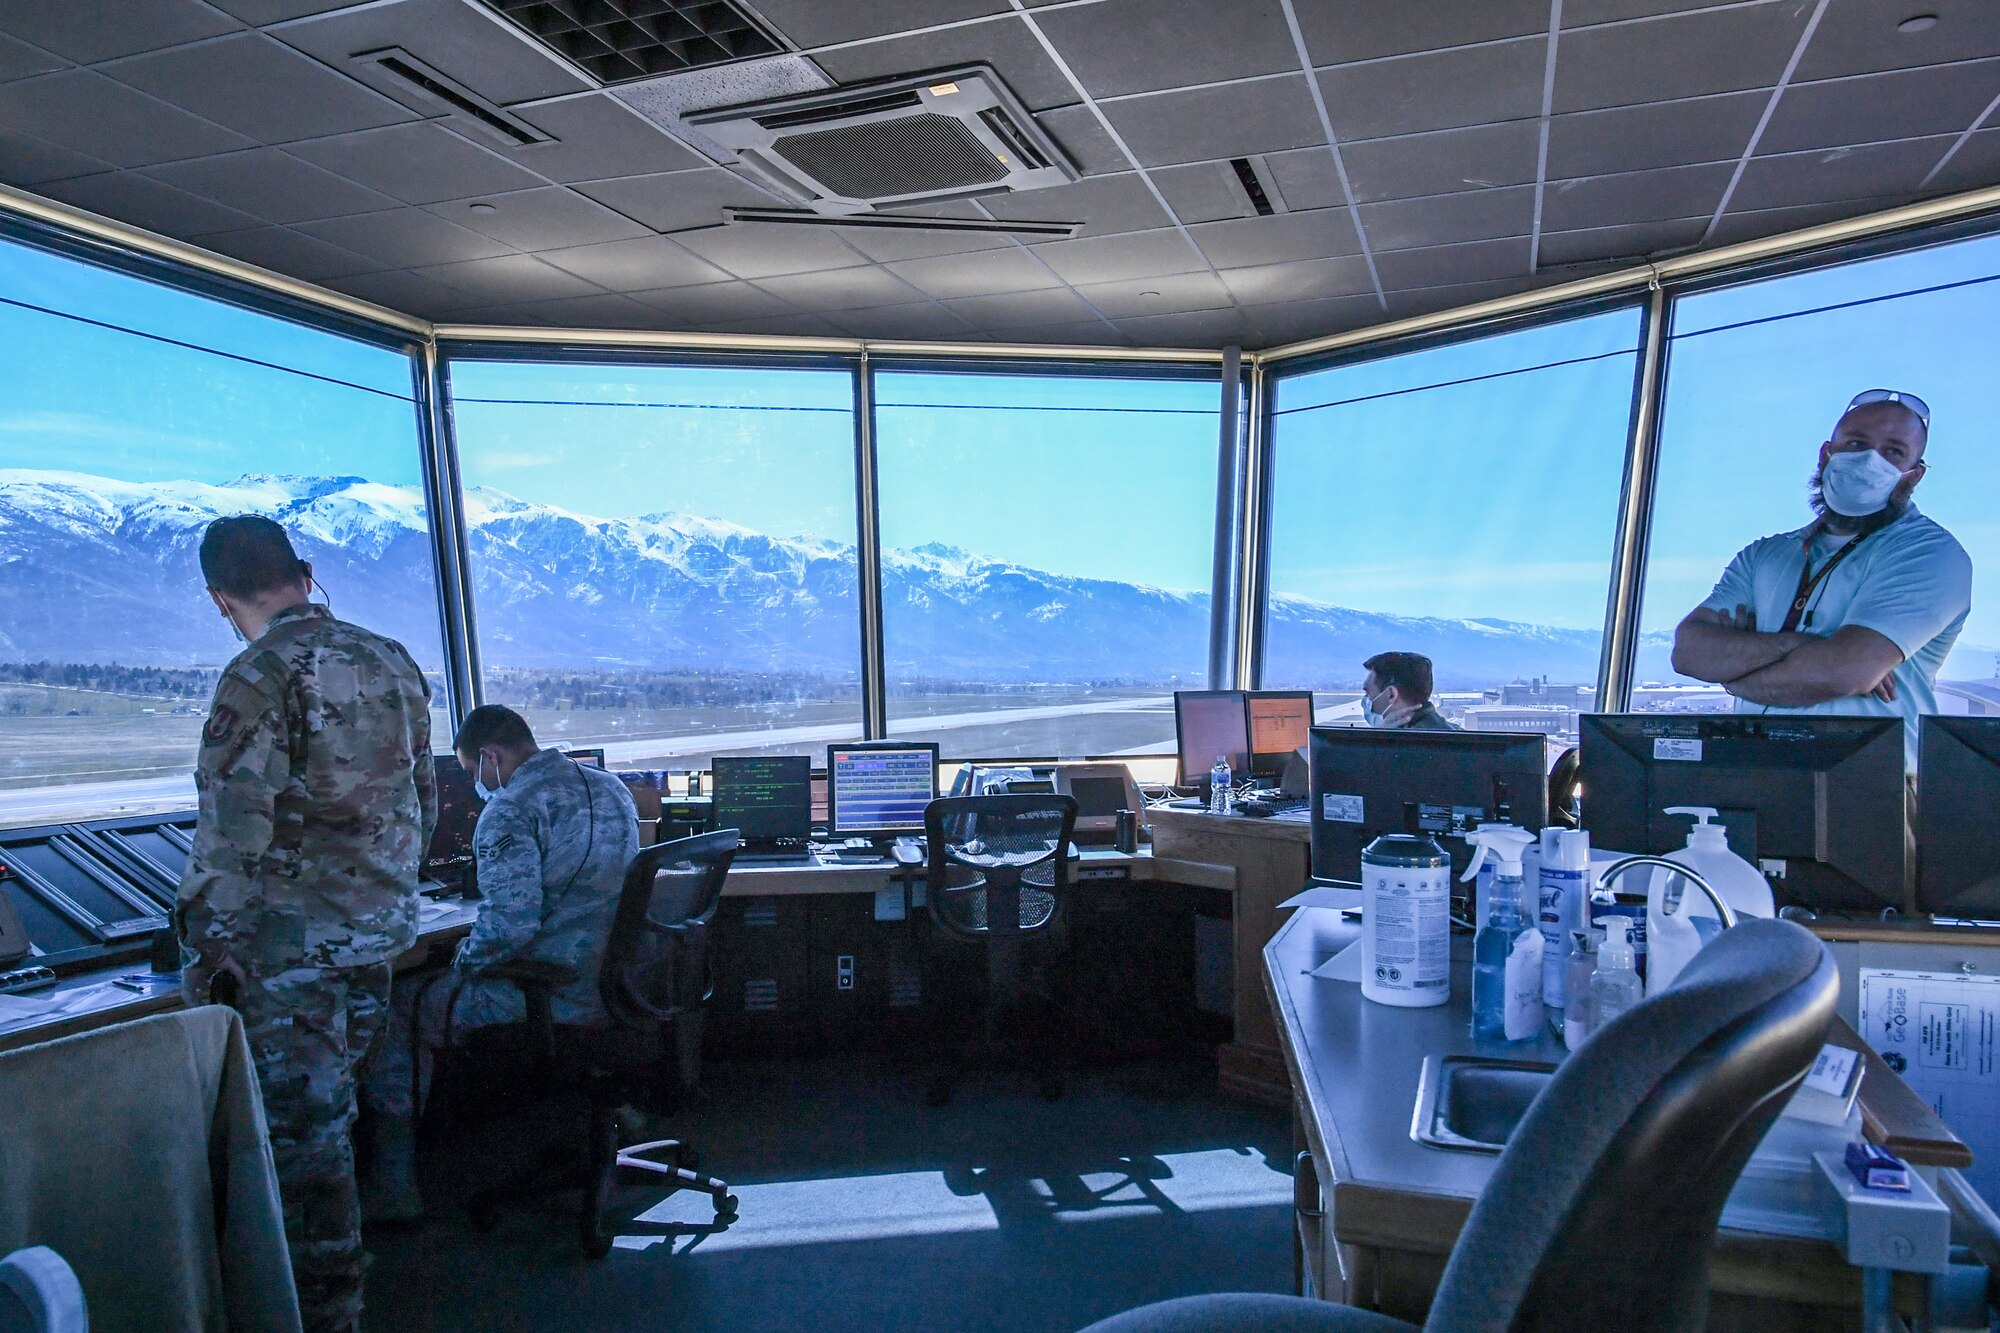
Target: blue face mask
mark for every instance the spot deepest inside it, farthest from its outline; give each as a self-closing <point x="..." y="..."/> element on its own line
<point x="479" y="787"/>
<point x="1368" y="713"/>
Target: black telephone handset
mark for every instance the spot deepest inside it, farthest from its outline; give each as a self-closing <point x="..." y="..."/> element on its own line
<point x="13" y="935"/>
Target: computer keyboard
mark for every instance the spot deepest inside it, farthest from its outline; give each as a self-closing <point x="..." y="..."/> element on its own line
<point x="1265" y="806"/>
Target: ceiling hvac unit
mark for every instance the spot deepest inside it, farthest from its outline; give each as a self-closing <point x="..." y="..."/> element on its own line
<point x="947" y="135"/>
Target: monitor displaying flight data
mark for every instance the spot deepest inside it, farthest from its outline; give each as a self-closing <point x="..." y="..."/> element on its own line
<point x="448" y="860"/>
<point x="1208" y="723"/>
<point x="1280" y="726"/>
<point x="879" y="789"/>
<point x="765" y="797"/>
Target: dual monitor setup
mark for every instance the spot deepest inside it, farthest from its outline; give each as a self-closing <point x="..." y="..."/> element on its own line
<point x="1819" y="804"/>
<point x="1256" y="731"/>
<point x="874" y="791"/>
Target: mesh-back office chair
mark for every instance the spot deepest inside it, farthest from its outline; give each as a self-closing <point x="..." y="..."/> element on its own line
<point x="998" y="879"/>
<point x="655" y="979"/>
<point x="1602" y="1211"/>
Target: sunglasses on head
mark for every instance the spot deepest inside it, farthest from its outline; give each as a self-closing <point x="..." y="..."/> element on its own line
<point x="1909" y="400"/>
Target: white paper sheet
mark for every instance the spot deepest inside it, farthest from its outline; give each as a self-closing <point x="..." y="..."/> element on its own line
<point x="1343" y="966"/>
<point x="1324" y="895"/>
<point x="1941" y="1032"/>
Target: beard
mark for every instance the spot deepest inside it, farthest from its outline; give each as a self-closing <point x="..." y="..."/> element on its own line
<point x="1891" y="510"/>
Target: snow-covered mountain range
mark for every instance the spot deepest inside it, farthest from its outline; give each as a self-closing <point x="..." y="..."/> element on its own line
<point x="98" y="570"/>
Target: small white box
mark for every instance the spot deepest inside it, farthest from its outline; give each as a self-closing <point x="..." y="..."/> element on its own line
<point x="1910" y="1233"/>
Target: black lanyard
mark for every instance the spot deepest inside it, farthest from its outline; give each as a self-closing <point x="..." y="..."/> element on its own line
<point x="1809" y="582"/>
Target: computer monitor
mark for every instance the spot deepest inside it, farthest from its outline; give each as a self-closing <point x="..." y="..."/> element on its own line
<point x="448" y="860"/>
<point x="879" y="789"/>
<point x="1817" y="802"/>
<point x="591" y="757"/>
<point x="1100" y="792"/>
<point x="1208" y="723"/>
<point x="1367" y="782"/>
<point x="1280" y="724"/>
<point x="766" y="797"/>
<point x="1958" y="840"/>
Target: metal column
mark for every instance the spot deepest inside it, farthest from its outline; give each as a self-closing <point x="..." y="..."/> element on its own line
<point x="438" y="444"/>
<point x="1635" y="509"/>
<point x="1222" y="581"/>
<point x="868" y="556"/>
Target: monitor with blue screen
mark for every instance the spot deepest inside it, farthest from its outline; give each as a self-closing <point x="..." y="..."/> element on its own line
<point x="879" y="789"/>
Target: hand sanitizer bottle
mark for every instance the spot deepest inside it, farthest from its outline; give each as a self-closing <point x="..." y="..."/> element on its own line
<point x="1614" y="987"/>
<point x="1507" y="952"/>
<point x="1220" y="797"/>
<point x="1582" y="961"/>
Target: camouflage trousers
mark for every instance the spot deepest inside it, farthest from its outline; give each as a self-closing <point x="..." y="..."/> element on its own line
<point x="309" y="1029"/>
<point x="427" y="1011"/>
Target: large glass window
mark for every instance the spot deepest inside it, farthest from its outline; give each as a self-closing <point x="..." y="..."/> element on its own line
<point x="1047" y="542"/>
<point x="1757" y="377"/>
<point x="130" y="415"/>
<point x="662" y="556"/>
<point x="1458" y="501"/>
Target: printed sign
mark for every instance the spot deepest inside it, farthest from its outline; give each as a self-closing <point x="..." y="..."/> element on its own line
<point x="1341" y="808"/>
<point x="1940" y="1031"/>
<point x="1677" y="747"/>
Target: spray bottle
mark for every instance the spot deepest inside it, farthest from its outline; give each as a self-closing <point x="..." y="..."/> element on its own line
<point x="1507" y="952"/>
<point x="1673" y="939"/>
<point x="1565" y="886"/>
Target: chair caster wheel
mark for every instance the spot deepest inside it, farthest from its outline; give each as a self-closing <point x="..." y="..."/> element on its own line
<point x="726" y="1206"/>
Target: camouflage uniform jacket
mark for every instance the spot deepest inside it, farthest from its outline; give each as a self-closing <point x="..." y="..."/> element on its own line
<point x="552" y="847"/>
<point x="317" y="799"/>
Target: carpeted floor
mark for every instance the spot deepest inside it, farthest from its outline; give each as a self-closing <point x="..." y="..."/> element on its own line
<point x="865" y="1209"/>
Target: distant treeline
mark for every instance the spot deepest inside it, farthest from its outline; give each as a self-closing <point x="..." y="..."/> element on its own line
<point x="150" y="682"/>
<point x="639" y="688"/>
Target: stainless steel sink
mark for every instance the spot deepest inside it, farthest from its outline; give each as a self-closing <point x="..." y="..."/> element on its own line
<point x="1472" y="1103"/>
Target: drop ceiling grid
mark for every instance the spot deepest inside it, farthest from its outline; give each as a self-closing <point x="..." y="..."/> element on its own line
<point x="468" y="254"/>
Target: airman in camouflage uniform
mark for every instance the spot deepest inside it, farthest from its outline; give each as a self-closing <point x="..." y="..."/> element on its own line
<point x="317" y="797"/>
<point x="551" y="848"/>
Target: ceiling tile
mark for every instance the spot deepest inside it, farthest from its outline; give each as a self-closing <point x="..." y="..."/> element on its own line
<point x="688" y="307"/>
<point x="1338" y="31"/>
<point x="548" y="218"/>
<point x="18" y="60"/>
<point x="1473" y="215"/>
<point x="420" y="163"/>
<point x="1862" y="38"/>
<point x="405" y="238"/>
<point x="1751" y="226"/>
<point x="841" y="288"/>
<point x="130" y="197"/>
<point x="1585" y="13"/>
<point x="1974" y="166"/>
<point x="1667" y="134"/>
<point x="809" y="23"/>
<point x="751" y="250"/>
<point x="1157" y="295"/>
<point x="1111" y="258"/>
<point x="1296" y="321"/>
<point x="28" y="161"/>
<point x="88" y="113"/>
<point x="1477" y="261"/>
<point x="1906" y="104"/>
<point x="1077" y="131"/>
<point x="277" y="11"/>
<point x="268" y="184"/>
<point x="1634" y="196"/>
<point x="1632" y="243"/>
<point x="1444" y="162"/>
<point x="677" y="200"/>
<point x="1474" y="85"/>
<point x="1682" y="55"/>
<point x="1453" y="296"/>
<point x="1320" y="234"/>
<point x="1131" y="46"/>
<point x="506" y="279"/>
<point x="921" y="320"/>
<point x="1301" y="280"/>
<point x="1232" y="120"/>
<point x="1088" y="333"/>
<point x="1206" y="191"/>
<point x="1302" y="179"/>
<point x="780" y="326"/>
<point x="1871" y="171"/>
<point x="599" y="137"/>
<point x="884" y="244"/>
<point x="569" y="312"/>
<point x="104" y="29"/>
<point x="461" y="40"/>
<point x="1103" y="204"/>
<point x="1057" y="305"/>
<point x="1006" y="45"/>
<point x="260" y="88"/>
<point x="978" y="274"/>
<point x="398" y="289"/>
<point x="285" y="251"/>
<point x="634" y="266"/>
<point x="1195" y="328"/>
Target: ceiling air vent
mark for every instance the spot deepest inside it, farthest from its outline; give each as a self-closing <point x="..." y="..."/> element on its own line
<point x="617" y="41"/>
<point x="410" y="81"/>
<point x="941" y="136"/>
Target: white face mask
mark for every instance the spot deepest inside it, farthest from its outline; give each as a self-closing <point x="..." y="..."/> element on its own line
<point x="1368" y="713"/>
<point x="1858" y="482"/>
<point x="484" y="792"/>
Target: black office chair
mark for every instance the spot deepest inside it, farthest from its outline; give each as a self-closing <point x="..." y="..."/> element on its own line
<point x="1602" y="1211"/>
<point x="655" y="978"/>
<point x="999" y="879"/>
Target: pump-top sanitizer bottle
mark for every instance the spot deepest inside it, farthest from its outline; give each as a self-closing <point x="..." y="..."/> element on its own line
<point x="1614" y="987"/>
<point x="1507" y="952"/>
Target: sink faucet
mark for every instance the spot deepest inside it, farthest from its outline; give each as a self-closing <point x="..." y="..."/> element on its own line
<point x="1671" y="898"/>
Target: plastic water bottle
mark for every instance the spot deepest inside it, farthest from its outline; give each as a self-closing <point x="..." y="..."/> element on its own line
<point x="1220" y="796"/>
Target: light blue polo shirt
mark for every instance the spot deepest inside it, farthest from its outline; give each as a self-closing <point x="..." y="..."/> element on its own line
<point x="1910" y="582"/>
